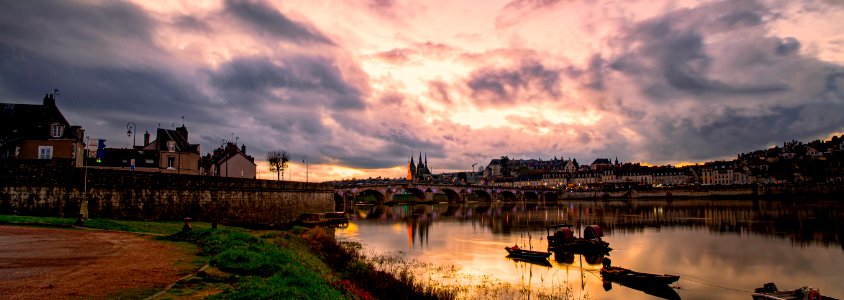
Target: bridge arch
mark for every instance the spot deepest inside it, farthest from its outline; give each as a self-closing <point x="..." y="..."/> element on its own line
<point x="551" y="196"/>
<point x="453" y="196"/>
<point x="508" y="196"/>
<point x="484" y="196"/>
<point x="379" y="197"/>
<point x="530" y="196"/>
<point x="417" y="193"/>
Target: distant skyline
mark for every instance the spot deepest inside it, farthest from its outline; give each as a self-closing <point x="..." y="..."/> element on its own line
<point x="360" y="86"/>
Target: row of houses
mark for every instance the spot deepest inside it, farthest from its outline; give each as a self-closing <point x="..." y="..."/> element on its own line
<point x="41" y="132"/>
<point x="567" y="173"/>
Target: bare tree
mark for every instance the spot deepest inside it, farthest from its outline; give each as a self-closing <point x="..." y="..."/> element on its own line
<point x="278" y="162"/>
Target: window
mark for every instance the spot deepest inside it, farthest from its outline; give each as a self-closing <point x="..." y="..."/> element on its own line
<point x="171" y="162"/>
<point x="45" y="152"/>
<point x="57" y="130"/>
<point x="171" y="146"/>
<point x="149" y="161"/>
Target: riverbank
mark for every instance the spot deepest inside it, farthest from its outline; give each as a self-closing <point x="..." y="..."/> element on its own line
<point x="299" y="263"/>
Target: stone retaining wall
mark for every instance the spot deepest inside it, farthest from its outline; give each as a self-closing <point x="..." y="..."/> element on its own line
<point x="39" y="188"/>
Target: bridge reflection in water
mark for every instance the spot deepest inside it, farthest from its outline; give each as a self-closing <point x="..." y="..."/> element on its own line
<point x="729" y="243"/>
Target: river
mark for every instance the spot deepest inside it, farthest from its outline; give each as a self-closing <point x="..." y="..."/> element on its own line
<point x="721" y="249"/>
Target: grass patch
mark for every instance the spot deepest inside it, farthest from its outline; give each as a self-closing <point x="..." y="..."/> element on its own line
<point x="260" y="269"/>
<point x="37" y="221"/>
<point x="157" y="227"/>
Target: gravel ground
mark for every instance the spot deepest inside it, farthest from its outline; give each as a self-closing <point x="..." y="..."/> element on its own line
<point x="45" y="263"/>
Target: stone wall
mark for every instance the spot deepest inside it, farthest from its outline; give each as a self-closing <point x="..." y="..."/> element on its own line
<point x="39" y="188"/>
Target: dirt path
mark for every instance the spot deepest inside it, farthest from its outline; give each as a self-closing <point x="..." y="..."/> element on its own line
<point x="44" y="263"/>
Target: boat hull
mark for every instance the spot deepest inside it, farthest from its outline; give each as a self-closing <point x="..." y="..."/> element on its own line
<point x="527" y="254"/>
<point x="622" y="275"/>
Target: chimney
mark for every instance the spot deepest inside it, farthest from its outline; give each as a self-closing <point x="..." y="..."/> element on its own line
<point x="49" y="100"/>
<point x="183" y="131"/>
<point x="146" y="138"/>
<point x="243" y="149"/>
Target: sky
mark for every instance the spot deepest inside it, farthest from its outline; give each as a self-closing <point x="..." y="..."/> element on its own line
<point x="356" y="87"/>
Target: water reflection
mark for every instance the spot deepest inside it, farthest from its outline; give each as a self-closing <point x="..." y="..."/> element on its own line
<point x="721" y="249"/>
<point x="802" y="223"/>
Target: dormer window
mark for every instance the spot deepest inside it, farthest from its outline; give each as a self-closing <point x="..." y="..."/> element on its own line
<point x="171" y="146"/>
<point x="56" y="130"/>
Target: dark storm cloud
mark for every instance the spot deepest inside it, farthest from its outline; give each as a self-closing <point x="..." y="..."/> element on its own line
<point x="191" y="23"/>
<point x="678" y="54"/>
<point x="510" y="86"/>
<point x="74" y="47"/>
<point x="314" y="81"/>
<point x="67" y="27"/>
<point x="730" y="85"/>
<point x="788" y="46"/>
<point x="265" y="19"/>
<point x="734" y="133"/>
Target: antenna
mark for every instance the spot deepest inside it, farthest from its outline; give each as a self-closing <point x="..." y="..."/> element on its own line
<point x="235" y="140"/>
<point x="183" y="121"/>
<point x="56" y="92"/>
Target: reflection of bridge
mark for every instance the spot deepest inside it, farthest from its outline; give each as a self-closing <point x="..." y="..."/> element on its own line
<point x="455" y="193"/>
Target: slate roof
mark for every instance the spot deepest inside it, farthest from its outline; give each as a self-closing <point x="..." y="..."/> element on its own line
<point x="31" y="121"/>
<point x="162" y="136"/>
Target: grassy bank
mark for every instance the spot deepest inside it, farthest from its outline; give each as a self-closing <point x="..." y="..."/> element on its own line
<point x="159" y="227"/>
<point x="296" y="264"/>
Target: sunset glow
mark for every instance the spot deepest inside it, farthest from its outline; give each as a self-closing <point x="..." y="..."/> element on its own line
<point x="360" y="86"/>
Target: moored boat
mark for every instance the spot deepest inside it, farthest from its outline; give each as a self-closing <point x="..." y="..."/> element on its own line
<point x="336" y="217"/>
<point x="627" y="276"/>
<point x="313" y="219"/>
<point x="769" y="291"/>
<point x="517" y="252"/>
<point x="562" y="238"/>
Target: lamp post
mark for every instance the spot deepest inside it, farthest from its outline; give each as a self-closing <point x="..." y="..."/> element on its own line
<point x="306" y="167"/>
<point x="224" y="145"/>
<point x="131" y="129"/>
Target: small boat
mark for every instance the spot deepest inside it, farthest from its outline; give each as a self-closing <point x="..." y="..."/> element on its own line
<point x="539" y="262"/>
<point x="313" y="219"/>
<point x="516" y="252"/>
<point x="336" y="217"/>
<point x="563" y="238"/>
<point x="769" y="291"/>
<point x="626" y="276"/>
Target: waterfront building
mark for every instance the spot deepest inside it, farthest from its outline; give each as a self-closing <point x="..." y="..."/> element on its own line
<point x="32" y="131"/>
<point x="228" y="161"/>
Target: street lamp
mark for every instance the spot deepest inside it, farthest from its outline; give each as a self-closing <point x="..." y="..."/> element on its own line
<point x="306" y="167"/>
<point x="224" y="145"/>
<point x="132" y="128"/>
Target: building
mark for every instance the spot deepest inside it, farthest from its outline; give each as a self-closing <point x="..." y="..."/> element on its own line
<point x="31" y="131"/>
<point x="229" y="161"/>
<point x="170" y="152"/>
<point x="174" y="152"/>
<point x="416" y="172"/>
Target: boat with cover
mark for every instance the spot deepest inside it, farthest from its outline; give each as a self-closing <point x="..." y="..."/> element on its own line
<point x="561" y="237"/>
<point x="516" y="252"/>
<point x="769" y="291"/>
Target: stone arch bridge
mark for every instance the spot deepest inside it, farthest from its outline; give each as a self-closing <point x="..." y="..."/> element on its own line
<point x="455" y="193"/>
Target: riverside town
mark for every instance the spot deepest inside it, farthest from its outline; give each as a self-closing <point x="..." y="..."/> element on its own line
<point x="505" y="149"/>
